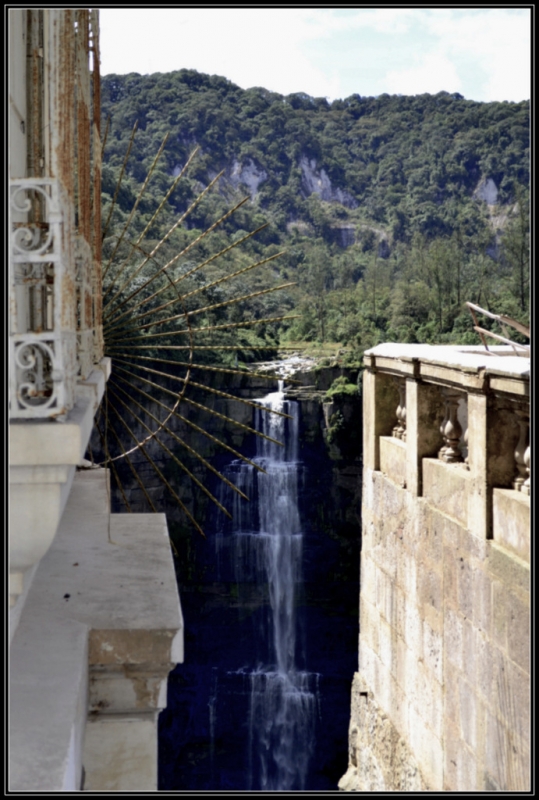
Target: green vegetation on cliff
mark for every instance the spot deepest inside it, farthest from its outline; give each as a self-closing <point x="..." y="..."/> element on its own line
<point x="393" y="210"/>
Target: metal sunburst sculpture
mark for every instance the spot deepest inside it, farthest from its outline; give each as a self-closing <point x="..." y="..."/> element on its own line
<point x="151" y="335"/>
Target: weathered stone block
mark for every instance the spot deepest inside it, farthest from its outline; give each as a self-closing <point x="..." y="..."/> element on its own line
<point x="393" y="459"/>
<point x="482" y="606"/>
<point x="518" y="631"/>
<point x="511" y="521"/>
<point x="506" y="760"/>
<point x="510" y="701"/>
<point x="424" y="414"/>
<point x="465" y="587"/>
<point x="472" y="545"/>
<point x="385" y="553"/>
<point x="451" y="699"/>
<point x="380" y="401"/>
<point x="368" y="579"/>
<point x="120" y="753"/>
<point x="449" y="529"/>
<point x="499" y="614"/>
<point x="413" y="629"/>
<point x="509" y="568"/>
<point x="469" y="654"/>
<point x="446" y="487"/>
<point x="430" y="543"/>
<point x="433" y="643"/>
<point x="427" y="749"/>
<point x="428" y="700"/>
<point x="369" y="624"/>
<point x="453" y="640"/>
<point x="467" y="705"/>
<point x="450" y="567"/>
<point x="430" y="586"/>
<point x="387" y="656"/>
<point x="407" y="576"/>
<point x="368" y="661"/>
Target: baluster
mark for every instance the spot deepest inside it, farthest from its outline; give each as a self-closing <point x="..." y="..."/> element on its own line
<point x="466" y="460"/>
<point x="525" y="489"/>
<point x="522" y="471"/>
<point x="450" y="428"/>
<point x="399" y="431"/>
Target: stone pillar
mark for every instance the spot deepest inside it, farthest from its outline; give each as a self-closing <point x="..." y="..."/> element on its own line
<point x="120" y="747"/>
<point x="479" y="494"/>
<point x="424" y="413"/>
<point x="380" y="402"/>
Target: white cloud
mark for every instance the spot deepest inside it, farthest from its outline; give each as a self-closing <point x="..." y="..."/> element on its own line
<point x="432" y="73"/>
<point x="499" y="41"/>
<point x="251" y="47"/>
<point x="273" y="47"/>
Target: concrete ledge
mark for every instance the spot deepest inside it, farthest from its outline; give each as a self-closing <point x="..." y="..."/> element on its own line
<point x="121" y="754"/>
<point x="48" y="703"/>
<point x="43" y="457"/>
<point x="103" y="609"/>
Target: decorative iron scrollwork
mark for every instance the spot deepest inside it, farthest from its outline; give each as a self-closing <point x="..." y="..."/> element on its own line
<point x="36" y="375"/>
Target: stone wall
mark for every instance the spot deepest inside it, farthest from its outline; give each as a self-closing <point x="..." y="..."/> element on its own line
<point x="442" y="697"/>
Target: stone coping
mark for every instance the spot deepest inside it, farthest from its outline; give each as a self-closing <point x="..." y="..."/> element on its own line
<point x="116" y="569"/>
<point x="104" y="595"/>
<point x="471" y="358"/>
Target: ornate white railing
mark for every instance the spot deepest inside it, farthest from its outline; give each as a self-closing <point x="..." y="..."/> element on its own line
<point x="43" y="338"/>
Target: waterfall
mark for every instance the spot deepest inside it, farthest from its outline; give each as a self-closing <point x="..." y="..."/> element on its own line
<point x="265" y="542"/>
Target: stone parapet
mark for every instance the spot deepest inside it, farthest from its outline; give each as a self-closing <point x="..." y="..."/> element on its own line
<point x="42" y="461"/>
<point x="111" y="579"/>
<point x="442" y="697"/>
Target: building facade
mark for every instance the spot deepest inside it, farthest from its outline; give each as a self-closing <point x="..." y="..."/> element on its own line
<point x="95" y="619"/>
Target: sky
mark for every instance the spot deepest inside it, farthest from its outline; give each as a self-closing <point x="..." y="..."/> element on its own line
<point x="482" y="53"/>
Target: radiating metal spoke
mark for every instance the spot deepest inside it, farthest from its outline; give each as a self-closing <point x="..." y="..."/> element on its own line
<point x="192" y="425"/>
<point x="171" y="454"/>
<point x="206" y="388"/>
<point x="184" y="444"/>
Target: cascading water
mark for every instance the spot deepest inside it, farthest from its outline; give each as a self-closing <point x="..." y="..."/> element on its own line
<point x="266" y="544"/>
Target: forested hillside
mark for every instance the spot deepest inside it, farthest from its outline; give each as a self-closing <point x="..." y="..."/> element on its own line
<point x="393" y="211"/>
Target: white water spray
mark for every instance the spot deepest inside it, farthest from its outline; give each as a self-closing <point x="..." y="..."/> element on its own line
<point x="267" y="546"/>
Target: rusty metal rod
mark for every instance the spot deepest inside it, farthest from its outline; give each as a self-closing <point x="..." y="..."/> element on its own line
<point x="264" y="375"/>
<point x="200" y="406"/>
<point x="118" y="185"/>
<point x="183" y="443"/>
<point x="196" y="311"/>
<point x="161" y="242"/>
<point x="206" y="388"/>
<point x="192" y="425"/>
<point x="133" y="470"/>
<point x="198" y="290"/>
<point x="159" y="473"/>
<point x="176" y="257"/>
<point x="198" y="267"/>
<point x="137" y="201"/>
<point x="183" y="331"/>
<point x="171" y="454"/>
<point x="135" y="245"/>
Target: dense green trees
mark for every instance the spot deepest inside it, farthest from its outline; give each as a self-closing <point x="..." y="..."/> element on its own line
<point x="400" y="176"/>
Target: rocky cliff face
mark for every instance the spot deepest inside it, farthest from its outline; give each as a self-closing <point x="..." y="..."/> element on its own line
<point x="248" y="174"/>
<point x="317" y="181"/>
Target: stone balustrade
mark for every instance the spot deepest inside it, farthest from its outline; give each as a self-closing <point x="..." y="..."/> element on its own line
<point x="462" y="406"/>
<point x="441" y="701"/>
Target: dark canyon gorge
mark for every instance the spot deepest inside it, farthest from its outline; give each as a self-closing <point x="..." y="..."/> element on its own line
<point x="270" y="597"/>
